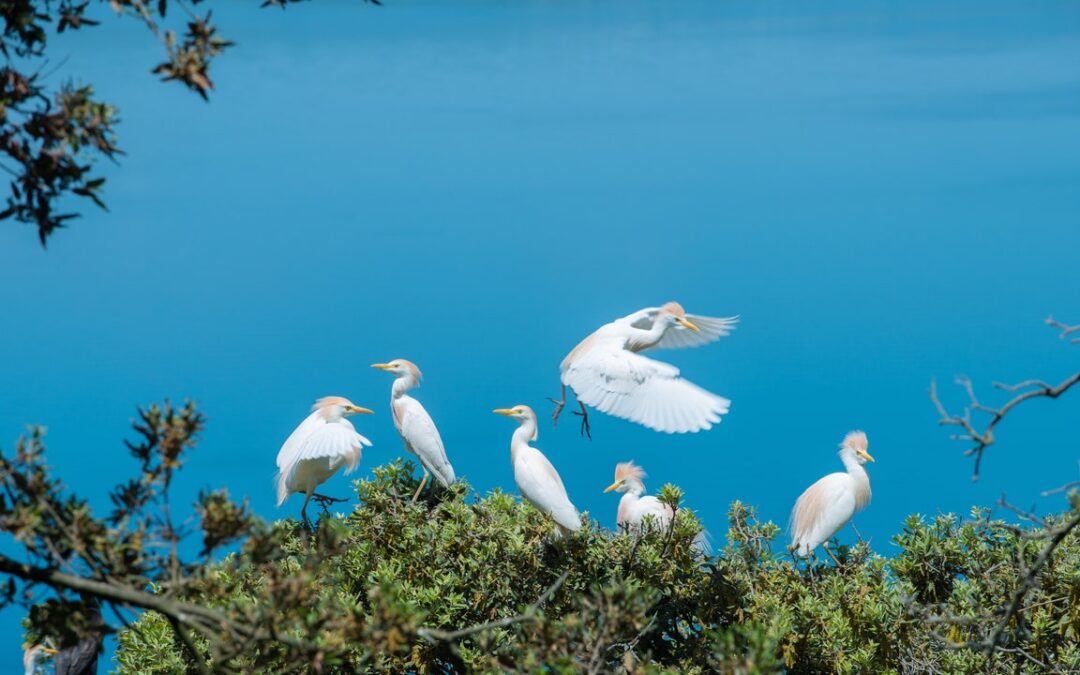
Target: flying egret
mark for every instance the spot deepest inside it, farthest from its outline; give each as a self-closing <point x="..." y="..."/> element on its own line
<point x="829" y="504"/>
<point x="32" y="654"/>
<point x="323" y="443"/>
<point x="536" y="478"/>
<point x="415" y="424"/>
<point x="635" y="505"/>
<point x="606" y="372"/>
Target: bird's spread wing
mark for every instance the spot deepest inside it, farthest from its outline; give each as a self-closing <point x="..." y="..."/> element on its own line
<point x="337" y="442"/>
<point x="635" y="387"/>
<point x="296" y="439"/>
<point x="422" y="439"/>
<point x="540" y="483"/>
<point x="334" y="441"/>
<point x="677" y="337"/>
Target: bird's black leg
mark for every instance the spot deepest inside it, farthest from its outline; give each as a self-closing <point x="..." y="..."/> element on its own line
<point x="825" y="545"/>
<point x="559" y="405"/>
<point x="303" y="514"/>
<point x="584" y="415"/>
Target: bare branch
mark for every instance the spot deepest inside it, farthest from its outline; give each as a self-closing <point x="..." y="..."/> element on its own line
<point x="984" y="438"/>
<point x="1066" y="330"/>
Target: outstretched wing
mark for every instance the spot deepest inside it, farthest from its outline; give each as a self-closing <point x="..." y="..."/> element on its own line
<point x="540" y="483"/>
<point x="635" y="387"/>
<point x="422" y="439"/>
<point x="677" y="337"/>
<point x="296" y="439"/>
<point x="336" y="442"/>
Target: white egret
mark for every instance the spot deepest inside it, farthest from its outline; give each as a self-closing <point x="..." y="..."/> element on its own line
<point x="606" y="372"/>
<point x="827" y="505"/>
<point x="635" y="505"/>
<point x="322" y="444"/>
<point x="32" y="654"/>
<point x="415" y="425"/>
<point x="536" y="478"/>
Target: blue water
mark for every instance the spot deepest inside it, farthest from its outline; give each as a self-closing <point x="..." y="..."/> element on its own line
<point x="885" y="192"/>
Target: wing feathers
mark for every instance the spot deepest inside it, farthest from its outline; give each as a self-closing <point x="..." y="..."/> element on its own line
<point x="637" y="388"/>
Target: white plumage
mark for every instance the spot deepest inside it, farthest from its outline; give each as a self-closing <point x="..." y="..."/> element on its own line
<point x="414" y="424"/>
<point x="536" y="478"/>
<point x="323" y="443"/>
<point x="827" y="505"/>
<point x="635" y="505"/>
<point x="606" y="371"/>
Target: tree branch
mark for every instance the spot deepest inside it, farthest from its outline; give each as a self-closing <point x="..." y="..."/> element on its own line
<point x="984" y="438"/>
<point x="530" y="614"/>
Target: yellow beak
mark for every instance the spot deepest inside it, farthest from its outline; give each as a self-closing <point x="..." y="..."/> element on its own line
<point x="355" y="410"/>
<point x="613" y="486"/>
<point x="504" y="411"/>
<point x="685" y="323"/>
<point x="866" y="455"/>
<point x="50" y="650"/>
<point x="382" y="366"/>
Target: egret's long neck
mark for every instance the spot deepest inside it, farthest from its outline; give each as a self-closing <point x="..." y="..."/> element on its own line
<point x="857" y="472"/>
<point x="402" y="384"/>
<point x="643" y="339"/>
<point x="525" y="432"/>
<point x="625" y="504"/>
<point x="635" y="488"/>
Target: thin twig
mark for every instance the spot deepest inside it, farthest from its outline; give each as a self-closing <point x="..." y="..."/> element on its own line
<point x="1066" y="330"/>
<point x="530" y="614"/>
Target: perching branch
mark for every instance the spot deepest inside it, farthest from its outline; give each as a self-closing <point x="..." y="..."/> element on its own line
<point x="1028" y="580"/>
<point x="531" y="613"/>
<point x="983" y="436"/>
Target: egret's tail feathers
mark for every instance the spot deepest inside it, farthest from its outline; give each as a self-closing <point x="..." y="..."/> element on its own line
<point x="445" y="475"/>
<point x="282" y="488"/>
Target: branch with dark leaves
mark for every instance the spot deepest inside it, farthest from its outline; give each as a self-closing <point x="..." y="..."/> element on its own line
<point x="130" y="560"/>
<point x="982" y="435"/>
<point x="531" y="613"/>
<point x="1053" y="535"/>
<point x="51" y="136"/>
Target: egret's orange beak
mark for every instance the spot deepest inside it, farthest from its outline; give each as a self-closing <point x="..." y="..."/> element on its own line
<point x="50" y="650"/>
<point x="504" y="411"/>
<point x="382" y="366"/>
<point x="355" y="410"/>
<point x="865" y="455"/>
<point x="613" y="486"/>
<point x="685" y="323"/>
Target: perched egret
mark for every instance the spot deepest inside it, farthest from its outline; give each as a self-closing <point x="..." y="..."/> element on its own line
<point x="536" y="478"/>
<point x="606" y="372"/>
<point x="323" y="443"/>
<point x="415" y="424"/>
<point x="32" y="654"/>
<point x="829" y="504"/>
<point x="635" y="505"/>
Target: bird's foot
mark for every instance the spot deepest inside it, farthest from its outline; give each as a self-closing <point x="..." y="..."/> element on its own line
<point x="559" y="405"/>
<point x="325" y="501"/>
<point x="584" y="415"/>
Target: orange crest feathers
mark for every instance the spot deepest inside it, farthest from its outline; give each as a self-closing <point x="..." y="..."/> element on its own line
<point x="328" y="401"/>
<point x="625" y="470"/>
<point x="412" y="369"/>
<point x="856" y="440"/>
<point x="673" y="308"/>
